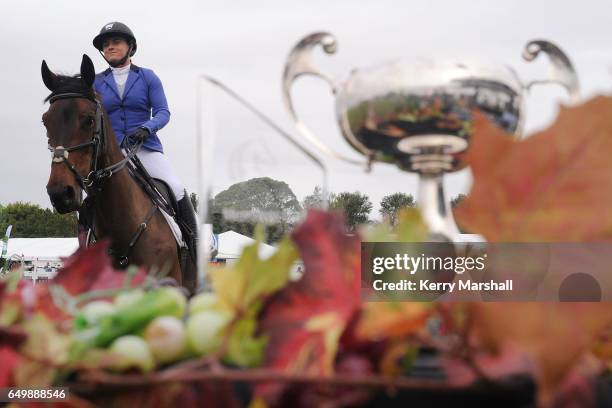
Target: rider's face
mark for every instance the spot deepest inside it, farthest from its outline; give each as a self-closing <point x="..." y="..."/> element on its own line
<point x="115" y="48"/>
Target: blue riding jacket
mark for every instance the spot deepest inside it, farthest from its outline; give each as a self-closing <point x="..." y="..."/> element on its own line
<point x="143" y="104"/>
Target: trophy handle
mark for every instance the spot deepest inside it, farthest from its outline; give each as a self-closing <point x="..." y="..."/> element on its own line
<point x="562" y="71"/>
<point x="299" y="62"/>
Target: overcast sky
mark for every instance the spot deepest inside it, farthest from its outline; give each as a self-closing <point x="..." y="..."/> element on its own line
<point x="245" y="43"/>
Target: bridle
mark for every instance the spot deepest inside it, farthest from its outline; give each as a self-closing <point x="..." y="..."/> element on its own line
<point x="60" y="154"/>
<point x="92" y="182"/>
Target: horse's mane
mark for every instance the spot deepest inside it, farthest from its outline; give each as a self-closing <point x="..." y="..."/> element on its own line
<point x="67" y="83"/>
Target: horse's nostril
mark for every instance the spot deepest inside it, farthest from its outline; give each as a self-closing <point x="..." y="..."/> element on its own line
<point x="69" y="194"/>
<point x="63" y="198"/>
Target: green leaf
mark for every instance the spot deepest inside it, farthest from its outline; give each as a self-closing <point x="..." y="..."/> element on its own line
<point x="46" y="347"/>
<point x="244" y="349"/>
<point x="410" y="228"/>
<point x="251" y="279"/>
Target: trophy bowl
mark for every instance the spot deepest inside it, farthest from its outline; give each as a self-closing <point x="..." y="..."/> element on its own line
<point x="417" y="113"/>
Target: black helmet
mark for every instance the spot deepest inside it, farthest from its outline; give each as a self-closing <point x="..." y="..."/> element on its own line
<point x="115" y="29"/>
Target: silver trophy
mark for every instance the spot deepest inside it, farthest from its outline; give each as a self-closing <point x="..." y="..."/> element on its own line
<point x="417" y="113"/>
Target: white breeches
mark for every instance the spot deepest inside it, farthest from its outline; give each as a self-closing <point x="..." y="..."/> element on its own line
<point x="158" y="166"/>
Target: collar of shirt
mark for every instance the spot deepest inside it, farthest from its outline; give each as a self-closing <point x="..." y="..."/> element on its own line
<point x="121" y="70"/>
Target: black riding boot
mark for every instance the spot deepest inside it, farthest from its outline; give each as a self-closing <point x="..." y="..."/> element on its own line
<point x="187" y="215"/>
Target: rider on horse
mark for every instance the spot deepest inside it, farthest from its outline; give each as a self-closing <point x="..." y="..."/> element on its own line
<point x="136" y="105"/>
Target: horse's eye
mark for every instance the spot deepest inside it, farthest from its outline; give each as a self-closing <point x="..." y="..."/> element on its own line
<point x="89" y="122"/>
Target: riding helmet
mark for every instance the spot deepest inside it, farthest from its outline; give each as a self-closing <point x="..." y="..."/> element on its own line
<point x="115" y="29"/>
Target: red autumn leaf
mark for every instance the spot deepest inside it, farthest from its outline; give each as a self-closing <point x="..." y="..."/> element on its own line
<point x="304" y="321"/>
<point x="555" y="185"/>
<point x="9" y="359"/>
<point x="11" y="336"/>
<point x="150" y="395"/>
<point x="91" y="269"/>
<point x="86" y="270"/>
<point x="382" y="320"/>
<point x="169" y="394"/>
<point x="576" y="389"/>
<point x="505" y="363"/>
<point x="555" y="335"/>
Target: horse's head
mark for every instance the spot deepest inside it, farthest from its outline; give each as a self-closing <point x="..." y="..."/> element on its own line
<point x="73" y="124"/>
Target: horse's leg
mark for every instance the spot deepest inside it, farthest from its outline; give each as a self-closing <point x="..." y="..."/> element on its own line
<point x="157" y="249"/>
<point x="167" y="263"/>
<point x="189" y="271"/>
<point x="175" y="272"/>
<point x="184" y="271"/>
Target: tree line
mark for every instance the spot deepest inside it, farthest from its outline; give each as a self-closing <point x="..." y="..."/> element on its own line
<point x="240" y="208"/>
<point x="273" y="204"/>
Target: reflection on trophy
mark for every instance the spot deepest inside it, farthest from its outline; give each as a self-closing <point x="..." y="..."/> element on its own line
<point x="417" y="113"/>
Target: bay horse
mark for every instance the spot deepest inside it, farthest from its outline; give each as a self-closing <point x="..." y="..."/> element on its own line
<point x="87" y="157"/>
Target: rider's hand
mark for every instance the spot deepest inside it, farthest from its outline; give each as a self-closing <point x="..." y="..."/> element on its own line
<point x="140" y="135"/>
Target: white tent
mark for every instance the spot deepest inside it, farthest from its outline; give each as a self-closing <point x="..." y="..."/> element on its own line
<point x="40" y="257"/>
<point x="231" y="244"/>
<point x="42" y="248"/>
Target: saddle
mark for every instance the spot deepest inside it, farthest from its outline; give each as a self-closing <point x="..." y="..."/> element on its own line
<point x="161" y="194"/>
<point x="166" y="192"/>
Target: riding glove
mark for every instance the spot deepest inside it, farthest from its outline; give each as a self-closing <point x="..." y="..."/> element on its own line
<point x="140" y="135"/>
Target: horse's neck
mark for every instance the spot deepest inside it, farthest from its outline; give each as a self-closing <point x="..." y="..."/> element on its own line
<point x="120" y="203"/>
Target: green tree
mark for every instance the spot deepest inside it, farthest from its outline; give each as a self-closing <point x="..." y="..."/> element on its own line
<point x="355" y="206"/>
<point x="256" y="201"/>
<point x="392" y="203"/>
<point x="31" y="221"/>
<point x="314" y="200"/>
<point x="457" y="200"/>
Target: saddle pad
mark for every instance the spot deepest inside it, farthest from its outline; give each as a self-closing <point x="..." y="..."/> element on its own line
<point x="176" y="231"/>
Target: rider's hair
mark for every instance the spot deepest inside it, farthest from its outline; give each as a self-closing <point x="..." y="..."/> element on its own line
<point x="72" y="84"/>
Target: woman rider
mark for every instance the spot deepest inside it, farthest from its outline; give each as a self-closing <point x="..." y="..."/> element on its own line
<point x="136" y="105"/>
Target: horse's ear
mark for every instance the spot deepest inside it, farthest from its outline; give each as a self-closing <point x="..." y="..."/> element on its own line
<point x="48" y="77"/>
<point x="88" y="72"/>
